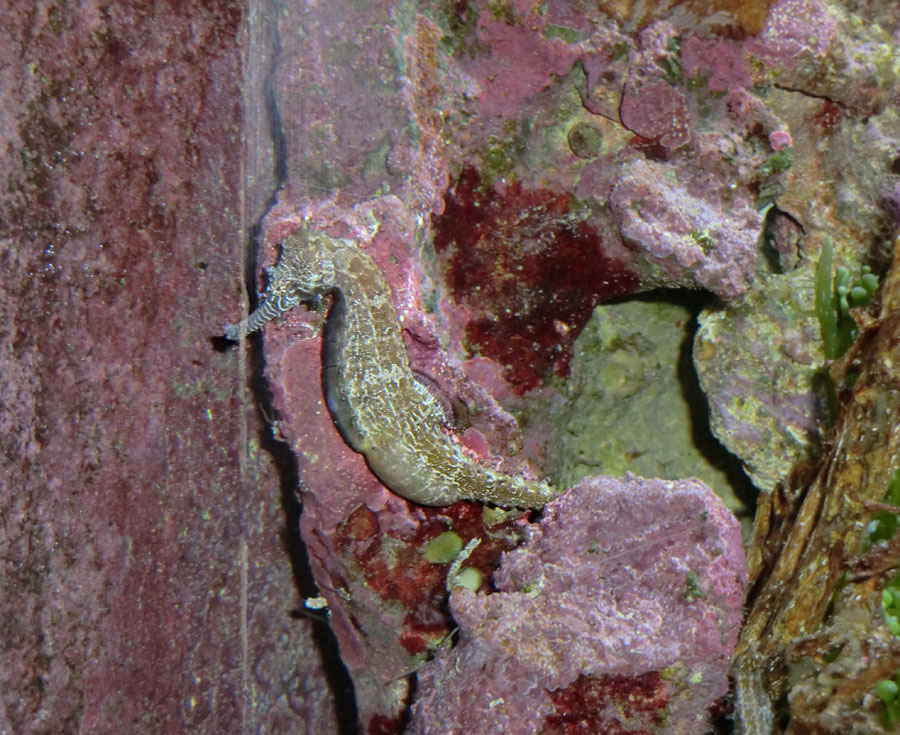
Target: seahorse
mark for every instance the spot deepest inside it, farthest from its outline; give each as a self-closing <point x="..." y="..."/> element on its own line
<point x="378" y="406"/>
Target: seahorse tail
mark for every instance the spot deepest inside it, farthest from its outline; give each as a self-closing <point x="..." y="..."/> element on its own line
<point x="507" y="490"/>
<point x="489" y="486"/>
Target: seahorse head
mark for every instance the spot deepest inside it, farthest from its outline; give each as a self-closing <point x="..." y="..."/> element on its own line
<point x="306" y="267"/>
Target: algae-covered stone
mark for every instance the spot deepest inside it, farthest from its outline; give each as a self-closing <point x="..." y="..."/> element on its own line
<point x="757" y="360"/>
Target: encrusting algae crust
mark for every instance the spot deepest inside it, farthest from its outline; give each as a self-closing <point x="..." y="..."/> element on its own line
<point x="377" y="404"/>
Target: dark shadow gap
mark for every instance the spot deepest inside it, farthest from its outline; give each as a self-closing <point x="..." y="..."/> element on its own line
<point x="712" y="450"/>
<point x="339" y="682"/>
<point x="698" y="404"/>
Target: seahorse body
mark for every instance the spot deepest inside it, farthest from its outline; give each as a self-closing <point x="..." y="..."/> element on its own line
<point x="378" y="406"/>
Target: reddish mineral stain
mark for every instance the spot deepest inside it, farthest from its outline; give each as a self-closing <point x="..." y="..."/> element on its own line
<point x="614" y="705"/>
<point x="523" y="269"/>
<point x="651" y="149"/>
<point x="419" y="634"/>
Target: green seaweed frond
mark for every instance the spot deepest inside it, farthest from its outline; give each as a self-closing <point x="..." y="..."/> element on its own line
<point x="705" y="240"/>
<point x="693" y="590"/>
<point x="884" y="525"/>
<point x="890" y="605"/>
<point x="835" y="296"/>
<point x="778" y="162"/>
<point x="886" y="690"/>
<point x="825" y="306"/>
<point x="671" y="64"/>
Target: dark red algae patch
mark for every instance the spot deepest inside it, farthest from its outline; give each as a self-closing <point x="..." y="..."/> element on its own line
<point x="381" y="725"/>
<point x="613" y="705"/>
<point x="829" y="117"/>
<point x="394" y="565"/>
<point x="529" y="277"/>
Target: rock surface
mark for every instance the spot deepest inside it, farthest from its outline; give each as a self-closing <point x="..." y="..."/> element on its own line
<point x="622" y="579"/>
<point x="145" y="587"/>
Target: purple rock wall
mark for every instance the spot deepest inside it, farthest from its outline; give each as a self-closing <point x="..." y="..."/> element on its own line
<point x="145" y="588"/>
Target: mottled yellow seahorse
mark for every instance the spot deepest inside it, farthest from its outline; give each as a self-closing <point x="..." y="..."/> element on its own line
<point x="377" y="404"/>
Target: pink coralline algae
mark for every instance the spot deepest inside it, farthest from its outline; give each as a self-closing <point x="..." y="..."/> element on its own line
<point x="798" y="27"/>
<point x="629" y="589"/>
<point x="702" y="230"/>
<point x="517" y="67"/>
<point x="651" y="106"/>
<point x="720" y="60"/>
<point x="826" y="50"/>
<point x="780" y="139"/>
<point x="656" y="111"/>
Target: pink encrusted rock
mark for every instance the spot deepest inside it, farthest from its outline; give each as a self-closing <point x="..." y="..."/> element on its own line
<point x="798" y="27"/>
<point x="697" y="228"/>
<point x="656" y="111"/>
<point x="622" y="578"/>
<point x="721" y="60"/>
<point x="521" y="63"/>
<point x="831" y="50"/>
<point x="651" y="106"/>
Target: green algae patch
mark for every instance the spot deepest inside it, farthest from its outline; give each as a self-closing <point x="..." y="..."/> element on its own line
<point x="470" y="578"/>
<point x="886" y="690"/>
<point x="443" y="548"/>
<point x="563" y="33"/>
<point x="692" y="589"/>
<point x="835" y="297"/>
<point x="884" y="525"/>
<point x="778" y="162"/>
